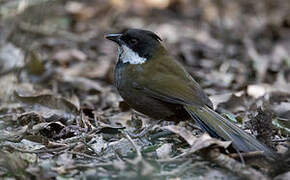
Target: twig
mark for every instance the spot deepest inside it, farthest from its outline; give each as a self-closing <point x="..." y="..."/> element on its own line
<point x="240" y="156"/>
<point x="254" y="154"/>
<point x="234" y="166"/>
<point x="46" y="31"/>
<point x="40" y="151"/>
<point x="145" y="130"/>
<point x="184" y="154"/>
<point x="281" y="140"/>
<point x="85" y="155"/>
<point x="89" y="146"/>
<point x="139" y="155"/>
<point x="77" y="138"/>
<point x="170" y="160"/>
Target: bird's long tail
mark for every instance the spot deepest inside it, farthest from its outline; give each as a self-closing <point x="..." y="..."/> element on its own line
<point x="218" y="126"/>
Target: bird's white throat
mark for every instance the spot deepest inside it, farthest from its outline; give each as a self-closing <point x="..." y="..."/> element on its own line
<point x="127" y="55"/>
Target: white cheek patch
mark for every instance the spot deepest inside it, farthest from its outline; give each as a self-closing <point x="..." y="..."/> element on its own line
<point x="127" y="55"/>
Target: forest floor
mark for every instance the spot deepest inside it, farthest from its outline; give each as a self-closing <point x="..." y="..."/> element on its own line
<point x="61" y="117"/>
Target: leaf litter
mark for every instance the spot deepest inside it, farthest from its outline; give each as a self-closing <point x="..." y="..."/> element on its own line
<point x="60" y="117"/>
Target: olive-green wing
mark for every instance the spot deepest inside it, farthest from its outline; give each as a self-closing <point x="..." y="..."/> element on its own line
<point x="170" y="82"/>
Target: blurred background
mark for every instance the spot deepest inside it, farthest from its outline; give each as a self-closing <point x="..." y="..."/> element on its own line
<point x="56" y="64"/>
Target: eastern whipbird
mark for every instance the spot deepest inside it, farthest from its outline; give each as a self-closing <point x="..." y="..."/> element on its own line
<point x="153" y="83"/>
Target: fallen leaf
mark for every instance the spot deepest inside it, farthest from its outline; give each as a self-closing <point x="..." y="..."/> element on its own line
<point x="161" y="4"/>
<point x="164" y="151"/>
<point x="11" y="58"/>
<point x="236" y="103"/>
<point x="284" y="176"/>
<point x="258" y="90"/>
<point x="82" y="83"/>
<point x="80" y="10"/>
<point x="181" y="131"/>
<point x="88" y="69"/>
<point x="65" y="56"/>
<point x="219" y="98"/>
<point x="206" y="141"/>
<point x="48" y="100"/>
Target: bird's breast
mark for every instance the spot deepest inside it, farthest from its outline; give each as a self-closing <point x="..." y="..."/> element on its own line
<point x="126" y="76"/>
<point x="118" y="74"/>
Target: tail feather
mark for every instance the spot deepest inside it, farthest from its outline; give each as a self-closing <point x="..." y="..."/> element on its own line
<point x="218" y="126"/>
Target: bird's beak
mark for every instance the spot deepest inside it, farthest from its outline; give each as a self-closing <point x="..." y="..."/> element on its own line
<point x="114" y="37"/>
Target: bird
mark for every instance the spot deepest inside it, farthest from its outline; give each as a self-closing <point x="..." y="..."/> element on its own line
<point x="152" y="82"/>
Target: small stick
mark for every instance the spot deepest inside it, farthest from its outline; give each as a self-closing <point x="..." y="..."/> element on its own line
<point x="41" y="151"/>
<point x="281" y="140"/>
<point x="145" y="130"/>
<point x="234" y="166"/>
<point x="84" y="155"/>
<point x="139" y="155"/>
<point x="252" y="154"/>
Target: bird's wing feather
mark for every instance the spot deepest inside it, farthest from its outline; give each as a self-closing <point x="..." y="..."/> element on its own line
<point x="170" y="82"/>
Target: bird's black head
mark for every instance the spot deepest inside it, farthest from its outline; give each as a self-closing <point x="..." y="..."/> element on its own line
<point x="142" y="42"/>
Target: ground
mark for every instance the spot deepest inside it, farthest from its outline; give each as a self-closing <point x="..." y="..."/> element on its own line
<point x="61" y="117"/>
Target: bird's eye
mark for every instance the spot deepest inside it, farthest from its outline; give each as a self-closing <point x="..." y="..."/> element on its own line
<point x="133" y="41"/>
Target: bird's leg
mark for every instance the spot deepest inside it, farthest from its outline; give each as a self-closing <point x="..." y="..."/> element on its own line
<point x="145" y="130"/>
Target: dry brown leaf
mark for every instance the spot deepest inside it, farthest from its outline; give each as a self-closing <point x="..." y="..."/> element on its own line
<point x="64" y="56"/>
<point x="48" y="100"/>
<point x="11" y="57"/>
<point x="181" y="131"/>
<point x="164" y="151"/>
<point x="161" y="4"/>
<point x="81" y="11"/>
<point x="219" y="98"/>
<point x="206" y="141"/>
<point x="88" y="69"/>
<point x="258" y="90"/>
